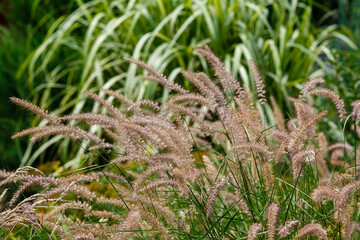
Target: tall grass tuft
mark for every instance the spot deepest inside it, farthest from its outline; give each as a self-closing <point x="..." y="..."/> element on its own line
<point x="201" y="165"/>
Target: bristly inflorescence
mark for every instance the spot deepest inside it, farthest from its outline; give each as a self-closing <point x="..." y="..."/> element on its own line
<point x="254" y="230"/>
<point x="272" y="215"/>
<point x="339" y="103"/>
<point x="228" y="82"/>
<point x="311" y="229"/>
<point x="284" y="230"/>
<point x="308" y="86"/>
<point x="260" y="87"/>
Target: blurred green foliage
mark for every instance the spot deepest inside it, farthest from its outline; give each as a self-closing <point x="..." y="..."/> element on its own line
<point x="23" y="27"/>
<point x="56" y="49"/>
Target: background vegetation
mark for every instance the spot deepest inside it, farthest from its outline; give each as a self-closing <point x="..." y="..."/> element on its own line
<point x="61" y="48"/>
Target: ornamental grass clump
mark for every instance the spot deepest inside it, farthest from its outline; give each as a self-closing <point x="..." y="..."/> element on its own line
<point x="202" y="165"/>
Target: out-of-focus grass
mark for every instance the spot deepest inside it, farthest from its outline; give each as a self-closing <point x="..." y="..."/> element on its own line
<point x="84" y="50"/>
<point x="24" y="26"/>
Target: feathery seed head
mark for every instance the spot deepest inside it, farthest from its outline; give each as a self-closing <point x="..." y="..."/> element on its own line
<point x="260" y="87"/>
<point x="272" y="216"/>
